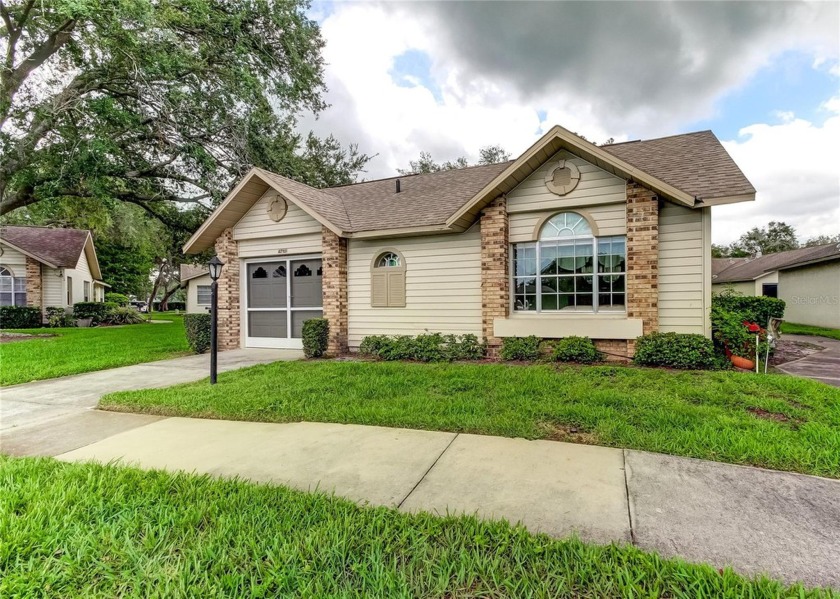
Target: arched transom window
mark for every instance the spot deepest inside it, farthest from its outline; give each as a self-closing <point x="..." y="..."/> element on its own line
<point x="12" y="288"/>
<point x="387" y="280"/>
<point x="389" y="260"/>
<point x="569" y="269"/>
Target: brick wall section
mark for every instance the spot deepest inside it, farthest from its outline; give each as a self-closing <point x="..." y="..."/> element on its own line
<point x="34" y="284"/>
<point x="495" y="283"/>
<point x="642" y="258"/>
<point x="615" y="350"/>
<point x="334" y="285"/>
<point x="229" y="293"/>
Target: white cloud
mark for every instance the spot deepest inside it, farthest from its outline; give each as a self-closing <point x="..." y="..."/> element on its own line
<point x="795" y="168"/>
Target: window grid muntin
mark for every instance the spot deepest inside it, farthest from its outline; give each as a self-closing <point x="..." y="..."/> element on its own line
<point x="203" y="295"/>
<point x="12" y="288"/>
<point x="389" y="260"/>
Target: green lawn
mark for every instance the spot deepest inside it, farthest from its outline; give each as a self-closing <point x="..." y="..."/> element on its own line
<point x="791" y="328"/>
<point x="775" y="421"/>
<point x="77" y="350"/>
<point x="72" y="530"/>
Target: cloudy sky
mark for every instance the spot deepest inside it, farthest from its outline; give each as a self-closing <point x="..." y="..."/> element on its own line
<point x="451" y="77"/>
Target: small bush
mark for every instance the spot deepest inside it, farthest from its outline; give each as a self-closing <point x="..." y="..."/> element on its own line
<point x="96" y="311"/>
<point x="20" y="317"/>
<point x="757" y="309"/>
<point x="197" y="327"/>
<point x="686" y="351"/>
<point x="316" y="334"/>
<point x="123" y="315"/>
<point x="731" y="335"/>
<point x="57" y="317"/>
<point x="431" y="347"/>
<point x="575" y="349"/>
<point x="521" y="348"/>
<point x="116" y="298"/>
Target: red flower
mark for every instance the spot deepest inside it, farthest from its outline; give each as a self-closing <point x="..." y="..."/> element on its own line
<point x="752" y="327"/>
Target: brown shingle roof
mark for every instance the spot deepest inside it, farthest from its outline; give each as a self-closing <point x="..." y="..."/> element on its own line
<point x="749" y="269"/>
<point x="695" y="163"/>
<point x="190" y="271"/>
<point x="60" y="247"/>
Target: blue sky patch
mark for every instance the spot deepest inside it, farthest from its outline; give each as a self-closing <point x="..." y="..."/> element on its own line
<point x="790" y="84"/>
<point x="413" y="68"/>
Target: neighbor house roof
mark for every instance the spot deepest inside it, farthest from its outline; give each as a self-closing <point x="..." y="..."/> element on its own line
<point x="734" y="270"/>
<point x="57" y="248"/>
<point x="692" y="169"/>
<point x="190" y="271"/>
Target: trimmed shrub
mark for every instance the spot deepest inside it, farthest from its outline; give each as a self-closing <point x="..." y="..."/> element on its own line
<point x="757" y="309"/>
<point x="316" y="334"/>
<point x="57" y="317"/>
<point x="731" y="335"/>
<point x="96" y="311"/>
<point x="20" y="317"/>
<point x="521" y="348"/>
<point x="116" y="298"/>
<point x="123" y="315"/>
<point x="431" y="347"/>
<point x="197" y="327"/>
<point x="172" y="306"/>
<point x="575" y="349"/>
<point x="686" y="351"/>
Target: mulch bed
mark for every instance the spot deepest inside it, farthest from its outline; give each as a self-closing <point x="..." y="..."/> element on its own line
<point x="788" y="351"/>
<point x="13" y="337"/>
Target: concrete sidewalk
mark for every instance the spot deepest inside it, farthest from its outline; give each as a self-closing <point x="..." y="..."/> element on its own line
<point x="757" y="521"/>
<point x="56" y="415"/>
<point x="822" y="366"/>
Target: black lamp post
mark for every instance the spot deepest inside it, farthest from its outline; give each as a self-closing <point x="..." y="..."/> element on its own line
<point x="215" y="265"/>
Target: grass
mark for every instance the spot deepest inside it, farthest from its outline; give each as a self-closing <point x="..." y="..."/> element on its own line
<point x="791" y="328"/>
<point x="774" y="421"/>
<point x="86" y="530"/>
<point x="77" y="350"/>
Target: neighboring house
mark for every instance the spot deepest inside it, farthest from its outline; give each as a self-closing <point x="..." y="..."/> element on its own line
<point x="196" y="281"/>
<point x="568" y="239"/>
<point x="45" y="267"/>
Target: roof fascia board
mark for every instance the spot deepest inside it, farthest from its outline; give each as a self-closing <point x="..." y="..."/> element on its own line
<point x="592" y="153"/>
<point x="746" y="197"/>
<point x="92" y="253"/>
<point x="403" y="231"/>
<point x="30" y="254"/>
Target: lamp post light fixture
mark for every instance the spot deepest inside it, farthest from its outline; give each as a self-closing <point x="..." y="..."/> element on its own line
<point x="215" y="266"/>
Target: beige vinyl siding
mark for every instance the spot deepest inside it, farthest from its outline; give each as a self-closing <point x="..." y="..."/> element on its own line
<point x="684" y="271"/>
<point x="256" y="223"/>
<point x="596" y="187"/>
<point x="812" y="294"/>
<point x="611" y="219"/>
<point x="53" y="287"/>
<point x="280" y="247"/>
<point x="442" y="284"/>
<point x="192" y="294"/>
<point x="14" y="261"/>
<point x="80" y="274"/>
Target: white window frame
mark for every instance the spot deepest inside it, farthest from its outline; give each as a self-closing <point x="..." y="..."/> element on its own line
<point x="198" y="295"/>
<point x="596" y="309"/>
<point x="86" y="290"/>
<point x="14" y="283"/>
<point x="288" y="342"/>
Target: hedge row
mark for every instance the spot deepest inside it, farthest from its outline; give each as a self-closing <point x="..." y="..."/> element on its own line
<point x="433" y="347"/>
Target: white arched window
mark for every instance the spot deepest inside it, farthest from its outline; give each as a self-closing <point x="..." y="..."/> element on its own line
<point x="12" y="288"/>
<point x="387" y="280"/>
<point x="569" y="268"/>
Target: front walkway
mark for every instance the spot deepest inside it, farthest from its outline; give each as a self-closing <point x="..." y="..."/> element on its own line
<point x="757" y="521"/>
<point x="822" y="366"/>
<point x="56" y="415"/>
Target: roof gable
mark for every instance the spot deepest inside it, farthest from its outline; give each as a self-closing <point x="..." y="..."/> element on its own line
<point x="750" y="269"/>
<point x="57" y="248"/>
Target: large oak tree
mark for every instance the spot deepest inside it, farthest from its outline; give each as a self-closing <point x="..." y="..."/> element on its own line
<point x="158" y="102"/>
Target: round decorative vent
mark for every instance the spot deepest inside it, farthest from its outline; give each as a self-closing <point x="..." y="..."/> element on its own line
<point x="277" y="209"/>
<point x="563" y="178"/>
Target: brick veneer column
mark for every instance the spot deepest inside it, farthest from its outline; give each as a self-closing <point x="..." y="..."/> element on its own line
<point x="229" y="294"/>
<point x="495" y="283"/>
<point x="334" y="284"/>
<point x="34" y="284"/>
<point x="642" y="258"/>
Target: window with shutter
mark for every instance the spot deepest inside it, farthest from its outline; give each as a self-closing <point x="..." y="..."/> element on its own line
<point x="387" y="280"/>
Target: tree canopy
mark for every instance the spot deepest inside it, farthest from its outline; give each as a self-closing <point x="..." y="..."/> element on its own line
<point x="775" y="237"/>
<point x="426" y="164"/>
<point x="158" y="101"/>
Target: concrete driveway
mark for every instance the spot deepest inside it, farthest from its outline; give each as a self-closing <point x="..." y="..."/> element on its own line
<point x="757" y="521"/>
<point x="57" y="415"/>
<point x="822" y="366"/>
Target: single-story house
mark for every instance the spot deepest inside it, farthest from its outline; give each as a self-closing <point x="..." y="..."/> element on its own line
<point x="808" y="279"/>
<point x="196" y="280"/>
<point x="46" y="267"/>
<point x="570" y="238"/>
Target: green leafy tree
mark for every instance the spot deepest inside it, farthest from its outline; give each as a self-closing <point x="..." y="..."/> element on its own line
<point x="822" y="240"/>
<point x="775" y="237"/>
<point x="426" y="164"/>
<point x="492" y="155"/>
<point x="153" y="102"/>
<point x="720" y="251"/>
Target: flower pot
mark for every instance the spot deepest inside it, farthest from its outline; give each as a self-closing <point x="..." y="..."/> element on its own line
<point x="739" y="362"/>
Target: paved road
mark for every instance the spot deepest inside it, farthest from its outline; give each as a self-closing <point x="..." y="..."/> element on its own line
<point x="57" y="415"/>
<point x="757" y="521"/>
<point x="821" y="366"/>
